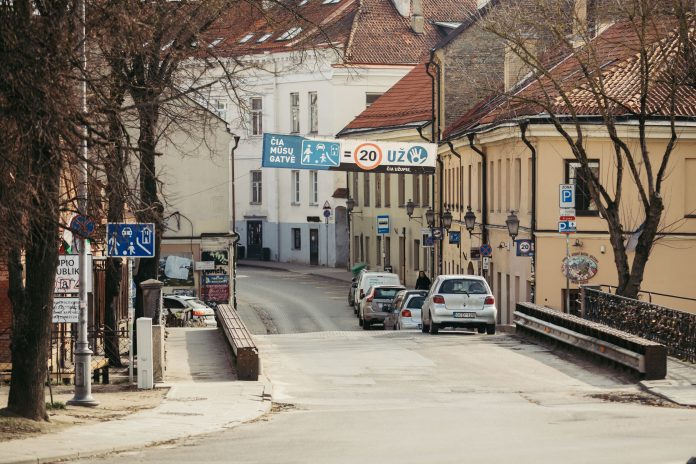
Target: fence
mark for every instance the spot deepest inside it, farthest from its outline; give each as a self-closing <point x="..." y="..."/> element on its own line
<point x="674" y="329"/>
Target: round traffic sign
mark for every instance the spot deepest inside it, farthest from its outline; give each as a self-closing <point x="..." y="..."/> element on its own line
<point x="367" y="156"/>
<point x="486" y="250"/>
<point x="525" y="247"/>
<point x="327" y="213"/>
<point x="82" y="225"/>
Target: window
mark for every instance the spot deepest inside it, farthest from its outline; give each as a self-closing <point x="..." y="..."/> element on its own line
<point x="416" y="255"/>
<point x="215" y="42"/>
<point x="313" y="187"/>
<point x="366" y="189"/>
<point x="416" y="189"/>
<point x="530" y="187"/>
<point x="499" y="185"/>
<point x="518" y="184"/>
<point x="370" y="98"/>
<point x="294" y="112"/>
<point x="468" y="195"/>
<point x="574" y="175"/>
<point x="356" y="248"/>
<point x="220" y="108"/>
<point x="246" y="38"/>
<point x="479" y="187"/>
<point x="313" y="113"/>
<point x="264" y="37"/>
<point x="426" y="190"/>
<point x="387" y="250"/>
<point x="295" y="179"/>
<point x="256" y="116"/>
<point x="378" y="190"/>
<point x="378" y="251"/>
<point x="402" y="190"/>
<point x="290" y="34"/>
<point x="508" y="181"/>
<point x="387" y="190"/>
<point x="296" y="239"/>
<point x="256" y="191"/>
<point x="326" y="2"/>
<point x="491" y="188"/>
<point x="356" y="182"/>
<point x="367" y="249"/>
<point x="690" y="188"/>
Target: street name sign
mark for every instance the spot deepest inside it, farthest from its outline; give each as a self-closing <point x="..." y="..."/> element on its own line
<point x="296" y="152"/>
<point x="566" y="195"/>
<point x="383" y="224"/>
<point x="130" y="240"/>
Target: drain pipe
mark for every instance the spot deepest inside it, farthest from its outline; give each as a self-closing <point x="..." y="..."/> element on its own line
<point x="434" y="138"/>
<point x="484" y="188"/>
<point x="461" y="194"/>
<point x="523" y="129"/>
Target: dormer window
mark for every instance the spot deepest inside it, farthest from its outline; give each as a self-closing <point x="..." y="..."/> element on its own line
<point x="215" y="42"/>
<point x="303" y="2"/>
<point x="327" y="2"/>
<point x="290" y="33"/>
<point x="264" y="37"/>
<point x="246" y="38"/>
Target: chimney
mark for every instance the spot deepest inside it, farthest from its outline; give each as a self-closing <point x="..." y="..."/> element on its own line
<point x="417" y="21"/>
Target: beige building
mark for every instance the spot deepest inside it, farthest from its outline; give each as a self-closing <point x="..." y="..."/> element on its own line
<point x="401" y="114"/>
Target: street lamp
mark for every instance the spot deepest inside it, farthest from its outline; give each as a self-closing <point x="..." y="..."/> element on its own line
<point x="470" y="221"/>
<point x="513" y="224"/>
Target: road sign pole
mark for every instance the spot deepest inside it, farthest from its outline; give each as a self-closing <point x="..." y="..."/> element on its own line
<point x="131" y="315"/>
<point x="567" y="273"/>
<point x="83" y="355"/>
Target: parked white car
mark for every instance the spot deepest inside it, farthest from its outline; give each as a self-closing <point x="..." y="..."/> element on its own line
<point x="405" y="310"/>
<point x="189" y="310"/>
<point x="459" y="301"/>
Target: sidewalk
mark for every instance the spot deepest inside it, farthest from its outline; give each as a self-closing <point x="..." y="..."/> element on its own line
<point x="203" y="397"/>
<point x="321" y="271"/>
<point x="679" y="386"/>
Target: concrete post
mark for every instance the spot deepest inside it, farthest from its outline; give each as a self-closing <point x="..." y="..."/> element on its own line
<point x="152" y="299"/>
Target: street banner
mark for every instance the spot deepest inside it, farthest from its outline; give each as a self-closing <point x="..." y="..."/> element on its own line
<point x="296" y="152"/>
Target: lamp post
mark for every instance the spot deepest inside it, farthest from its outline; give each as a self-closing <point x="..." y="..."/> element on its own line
<point x="512" y="223"/>
<point x="430" y="219"/>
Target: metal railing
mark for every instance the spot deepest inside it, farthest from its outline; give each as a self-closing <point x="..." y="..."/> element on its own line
<point x="670" y="327"/>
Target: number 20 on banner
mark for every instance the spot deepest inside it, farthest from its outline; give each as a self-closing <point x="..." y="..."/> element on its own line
<point x="367" y="156"/>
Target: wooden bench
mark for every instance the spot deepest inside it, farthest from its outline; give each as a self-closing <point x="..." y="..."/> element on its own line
<point x="645" y="357"/>
<point x="239" y="338"/>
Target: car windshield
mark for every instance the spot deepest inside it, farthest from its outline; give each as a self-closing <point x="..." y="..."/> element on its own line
<point x="452" y="286"/>
<point x="415" y="302"/>
<point x="384" y="293"/>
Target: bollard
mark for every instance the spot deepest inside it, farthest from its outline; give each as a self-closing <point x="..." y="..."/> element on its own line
<point x="145" y="365"/>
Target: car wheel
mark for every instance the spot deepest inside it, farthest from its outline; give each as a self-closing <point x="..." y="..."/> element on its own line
<point x="434" y="328"/>
<point x="360" y="322"/>
<point x="490" y="329"/>
<point x="425" y="328"/>
<point x="366" y="325"/>
<point x="481" y="330"/>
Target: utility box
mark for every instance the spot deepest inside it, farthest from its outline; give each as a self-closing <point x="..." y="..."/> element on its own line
<point x="145" y="366"/>
<point x="152" y="299"/>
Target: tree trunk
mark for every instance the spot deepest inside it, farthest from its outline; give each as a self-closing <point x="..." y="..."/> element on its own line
<point x="151" y="207"/>
<point x="32" y="301"/>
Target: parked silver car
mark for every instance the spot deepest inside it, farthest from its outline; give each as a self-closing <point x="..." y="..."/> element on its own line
<point x="187" y="311"/>
<point x="405" y="310"/>
<point x="368" y="279"/>
<point x="459" y="301"/>
<point x="378" y="299"/>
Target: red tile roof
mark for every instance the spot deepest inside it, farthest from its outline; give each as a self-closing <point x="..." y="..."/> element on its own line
<point x="408" y="102"/>
<point x="370" y="31"/>
<point x="381" y="35"/>
<point x="616" y="50"/>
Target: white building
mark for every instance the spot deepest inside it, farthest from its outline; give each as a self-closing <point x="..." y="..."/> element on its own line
<point x="311" y="81"/>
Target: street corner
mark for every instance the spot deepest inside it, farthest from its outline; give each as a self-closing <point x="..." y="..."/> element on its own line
<point x="681" y="392"/>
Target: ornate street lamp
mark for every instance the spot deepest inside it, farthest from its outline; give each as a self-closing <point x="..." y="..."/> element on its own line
<point x="430" y="217"/>
<point x="409" y="208"/>
<point x="469" y="220"/>
<point x="513" y="224"/>
<point x="447" y="220"/>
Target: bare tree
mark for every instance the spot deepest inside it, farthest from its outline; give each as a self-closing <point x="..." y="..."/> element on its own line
<point x="606" y="62"/>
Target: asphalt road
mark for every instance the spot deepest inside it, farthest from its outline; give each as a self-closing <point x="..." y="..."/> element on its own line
<point x="348" y="396"/>
<point x="276" y="301"/>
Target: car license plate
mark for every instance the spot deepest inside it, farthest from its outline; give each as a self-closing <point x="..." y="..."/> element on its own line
<point x="464" y="315"/>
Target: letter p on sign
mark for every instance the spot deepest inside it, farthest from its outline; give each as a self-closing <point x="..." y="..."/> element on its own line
<point x="567" y="196"/>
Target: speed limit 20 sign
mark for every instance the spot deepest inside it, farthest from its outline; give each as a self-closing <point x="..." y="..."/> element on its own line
<point x="367" y="156"/>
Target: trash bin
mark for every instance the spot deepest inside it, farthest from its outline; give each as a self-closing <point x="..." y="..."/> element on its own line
<point x="241" y="252"/>
<point x="266" y="254"/>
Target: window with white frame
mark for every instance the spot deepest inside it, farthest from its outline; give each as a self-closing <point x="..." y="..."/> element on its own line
<point x="370" y="98"/>
<point x="264" y="37"/>
<point x="295" y="187"/>
<point x="313" y="187"/>
<point x="220" y="108"/>
<point x="256" y="187"/>
<point x="290" y="34"/>
<point x="313" y="113"/>
<point x="246" y="38"/>
<point x="256" y="116"/>
<point x="294" y="112"/>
